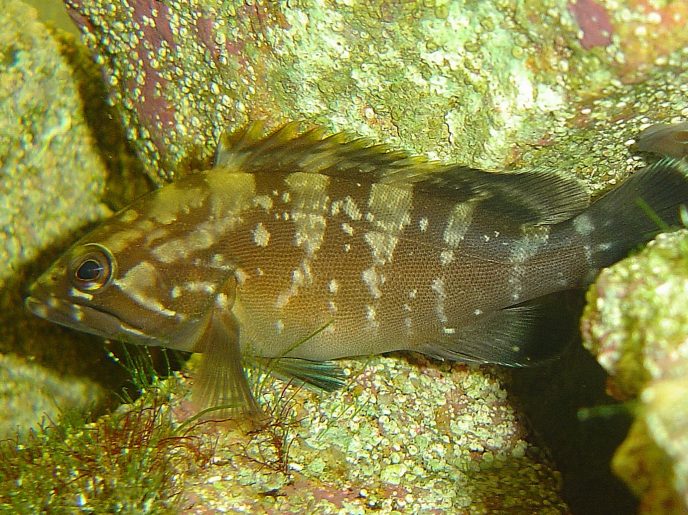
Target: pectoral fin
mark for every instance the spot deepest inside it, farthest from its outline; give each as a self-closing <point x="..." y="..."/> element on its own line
<point x="221" y="380"/>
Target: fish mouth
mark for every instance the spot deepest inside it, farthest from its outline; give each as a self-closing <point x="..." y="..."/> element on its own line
<point x="83" y="318"/>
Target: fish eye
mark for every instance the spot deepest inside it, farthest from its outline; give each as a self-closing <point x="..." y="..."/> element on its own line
<point x="93" y="268"/>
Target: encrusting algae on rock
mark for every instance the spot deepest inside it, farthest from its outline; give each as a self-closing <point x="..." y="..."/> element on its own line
<point x="300" y="248"/>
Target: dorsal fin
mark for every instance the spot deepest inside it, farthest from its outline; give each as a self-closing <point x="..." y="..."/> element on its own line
<point x="292" y="149"/>
<point x="531" y="197"/>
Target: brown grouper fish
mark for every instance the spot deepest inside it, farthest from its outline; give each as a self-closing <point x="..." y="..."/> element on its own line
<point x="300" y="248"/>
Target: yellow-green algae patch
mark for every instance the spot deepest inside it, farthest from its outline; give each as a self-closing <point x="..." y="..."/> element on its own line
<point x="636" y="323"/>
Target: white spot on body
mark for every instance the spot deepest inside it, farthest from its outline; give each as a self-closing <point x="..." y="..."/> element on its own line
<point x="458" y="223"/>
<point x="423" y="224"/>
<point x="347" y="229"/>
<point x="332" y="307"/>
<point x="446" y="257"/>
<point x="218" y="261"/>
<point x="371" y="317"/>
<point x="299" y="277"/>
<point x="351" y="209"/>
<point x="157" y="234"/>
<point x="522" y="251"/>
<point x="175" y="292"/>
<point x="200" y="286"/>
<point x="279" y="326"/>
<point x="240" y="276"/>
<point x="381" y="246"/>
<point x="222" y="301"/>
<point x="135" y="284"/>
<point x="389" y="208"/>
<point x="73" y="292"/>
<point x="263" y="201"/>
<point x="261" y="236"/>
<point x="310" y="230"/>
<point x="333" y="286"/>
<point x="440" y="296"/>
<point x="583" y="225"/>
<point x="129" y="216"/>
<point x="121" y="240"/>
<point x="373" y="281"/>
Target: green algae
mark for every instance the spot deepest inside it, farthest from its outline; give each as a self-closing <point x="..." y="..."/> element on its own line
<point x="126" y="462"/>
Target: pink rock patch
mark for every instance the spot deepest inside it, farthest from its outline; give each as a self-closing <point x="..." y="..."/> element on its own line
<point x="594" y="21"/>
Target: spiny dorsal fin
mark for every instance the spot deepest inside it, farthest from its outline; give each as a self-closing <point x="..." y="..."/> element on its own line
<point x="531" y="197"/>
<point x="292" y="149"/>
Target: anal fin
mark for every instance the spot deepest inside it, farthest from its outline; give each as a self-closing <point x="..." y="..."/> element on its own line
<point x="505" y="337"/>
<point x="221" y="381"/>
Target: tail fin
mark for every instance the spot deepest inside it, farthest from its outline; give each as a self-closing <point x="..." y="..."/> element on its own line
<point x="632" y="214"/>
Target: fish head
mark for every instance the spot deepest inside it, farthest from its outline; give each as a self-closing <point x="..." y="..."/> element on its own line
<point x="109" y="284"/>
<point x="77" y="292"/>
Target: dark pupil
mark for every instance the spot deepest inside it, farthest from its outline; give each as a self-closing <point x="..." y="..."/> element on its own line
<point x="89" y="270"/>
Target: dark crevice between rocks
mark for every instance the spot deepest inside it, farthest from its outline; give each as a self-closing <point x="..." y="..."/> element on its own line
<point x="551" y="396"/>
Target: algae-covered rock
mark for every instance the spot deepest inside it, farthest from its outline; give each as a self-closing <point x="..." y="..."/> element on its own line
<point x="654" y="458"/>
<point x="31" y="394"/>
<point x="52" y="180"/>
<point x="461" y="80"/>
<point x="636" y="323"/>
<point x="398" y="438"/>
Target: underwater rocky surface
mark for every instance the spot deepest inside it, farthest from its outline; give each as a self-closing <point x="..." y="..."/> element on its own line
<point x="51" y="181"/>
<point x="492" y="84"/>
<point x="636" y="323"/>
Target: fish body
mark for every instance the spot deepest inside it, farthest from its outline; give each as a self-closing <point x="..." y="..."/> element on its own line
<point x="306" y="248"/>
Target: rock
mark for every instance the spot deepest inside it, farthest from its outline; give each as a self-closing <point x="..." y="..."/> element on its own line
<point x="636" y="324"/>
<point x="52" y="181"/>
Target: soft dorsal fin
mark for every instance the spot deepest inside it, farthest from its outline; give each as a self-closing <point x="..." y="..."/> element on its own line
<point x="530" y="197"/>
